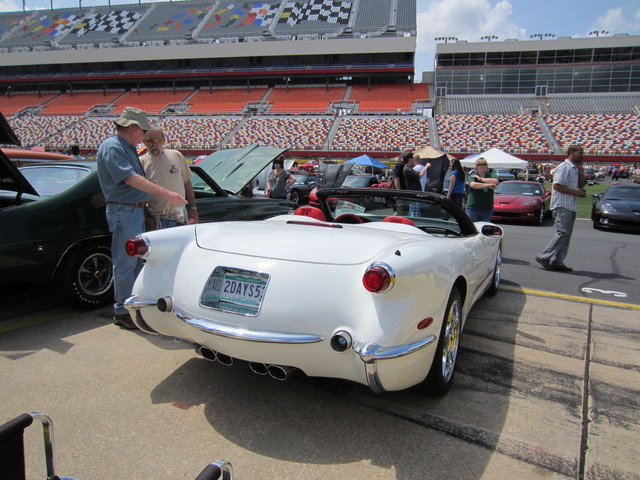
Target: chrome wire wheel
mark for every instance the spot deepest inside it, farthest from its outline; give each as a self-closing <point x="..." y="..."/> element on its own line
<point x="451" y="340"/>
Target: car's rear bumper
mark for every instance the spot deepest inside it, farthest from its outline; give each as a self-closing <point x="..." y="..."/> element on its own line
<point x="381" y="367"/>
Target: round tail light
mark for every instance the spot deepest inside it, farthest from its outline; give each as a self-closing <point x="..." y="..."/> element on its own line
<point x="378" y="278"/>
<point x="136" y="247"/>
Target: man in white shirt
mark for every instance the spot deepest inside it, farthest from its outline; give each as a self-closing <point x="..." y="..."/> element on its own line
<point x="568" y="180"/>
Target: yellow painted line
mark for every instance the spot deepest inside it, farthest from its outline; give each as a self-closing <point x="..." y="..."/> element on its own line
<point x="30" y="321"/>
<point x="575" y="298"/>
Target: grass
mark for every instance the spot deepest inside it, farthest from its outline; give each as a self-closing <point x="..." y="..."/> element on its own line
<point x="584" y="204"/>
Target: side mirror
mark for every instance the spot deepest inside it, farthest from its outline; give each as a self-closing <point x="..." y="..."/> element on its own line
<point x="491" y="231"/>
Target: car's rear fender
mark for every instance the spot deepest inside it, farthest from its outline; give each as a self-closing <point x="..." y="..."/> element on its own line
<point x="74" y="247"/>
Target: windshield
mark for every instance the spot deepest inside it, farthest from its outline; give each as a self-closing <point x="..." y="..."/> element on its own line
<point x="520" y="188"/>
<point x="304" y="179"/>
<point x="623" y="193"/>
<point x="358" y="181"/>
<point x="428" y="216"/>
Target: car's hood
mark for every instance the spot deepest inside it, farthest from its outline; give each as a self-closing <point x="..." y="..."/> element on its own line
<point x="233" y="169"/>
<point x="357" y="243"/>
<point x="11" y="179"/>
<point x="623" y="205"/>
<point x="508" y="199"/>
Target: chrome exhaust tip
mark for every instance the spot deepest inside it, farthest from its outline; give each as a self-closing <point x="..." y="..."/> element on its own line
<point x="259" y="368"/>
<point x="225" y="360"/>
<point x="165" y="304"/>
<point x="280" y="372"/>
<point x="207" y="353"/>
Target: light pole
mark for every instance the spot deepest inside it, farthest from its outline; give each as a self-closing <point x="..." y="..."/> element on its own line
<point x="488" y="38"/>
<point x="597" y="33"/>
<point x="446" y="39"/>
<point x="540" y="36"/>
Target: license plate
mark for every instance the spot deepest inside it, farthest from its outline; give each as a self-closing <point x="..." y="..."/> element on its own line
<point x="235" y="290"/>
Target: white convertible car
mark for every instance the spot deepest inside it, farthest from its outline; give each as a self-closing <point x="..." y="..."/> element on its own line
<point x="371" y="286"/>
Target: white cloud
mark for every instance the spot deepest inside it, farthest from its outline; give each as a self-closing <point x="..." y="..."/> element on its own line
<point x="463" y="19"/>
<point x="10" y="6"/>
<point x="617" y="20"/>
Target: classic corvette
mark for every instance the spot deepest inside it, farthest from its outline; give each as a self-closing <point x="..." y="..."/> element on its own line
<point x="54" y="226"/>
<point x="617" y="207"/>
<point x="391" y="291"/>
<point x="521" y="201"/>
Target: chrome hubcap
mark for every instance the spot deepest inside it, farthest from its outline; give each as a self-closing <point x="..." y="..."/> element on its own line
<point x="451" y="341"/>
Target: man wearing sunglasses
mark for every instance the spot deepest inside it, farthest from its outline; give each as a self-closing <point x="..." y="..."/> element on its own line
<point x="168" y="168"/>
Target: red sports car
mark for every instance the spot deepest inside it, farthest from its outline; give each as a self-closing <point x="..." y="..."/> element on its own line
<point x="521" y="201"/>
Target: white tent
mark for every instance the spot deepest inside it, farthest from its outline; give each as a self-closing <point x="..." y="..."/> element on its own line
<point x="496" y="158"/>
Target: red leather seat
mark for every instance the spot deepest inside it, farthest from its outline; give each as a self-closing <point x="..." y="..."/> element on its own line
<point x="309" y="211"/>
<point x="394" y="219"/>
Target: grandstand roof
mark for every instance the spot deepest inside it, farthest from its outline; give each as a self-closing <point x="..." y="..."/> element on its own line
<point x="537" y="45"/>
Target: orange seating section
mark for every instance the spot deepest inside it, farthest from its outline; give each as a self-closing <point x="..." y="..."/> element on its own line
<point x="304" y="99"/>
<point x="224" y="100"/>
<point x="10" y="105"/>
<point x="151" y="101"/>
<point x="78" y="103"/>
<point x="388" y="98"/>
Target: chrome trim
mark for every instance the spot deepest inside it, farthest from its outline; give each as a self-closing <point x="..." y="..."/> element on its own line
<point x="246" y="334"/>
<point x="137" y="302"/>
<point x="229" y="331"/>
<point x="370" y="353"/>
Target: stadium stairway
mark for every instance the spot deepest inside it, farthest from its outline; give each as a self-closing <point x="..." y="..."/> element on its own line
<point x="548" y="135"/>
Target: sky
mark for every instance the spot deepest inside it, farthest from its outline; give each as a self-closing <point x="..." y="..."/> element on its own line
<point x="472" y="19"/>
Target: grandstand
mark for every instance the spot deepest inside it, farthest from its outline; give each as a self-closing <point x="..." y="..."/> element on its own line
<point x="321" y="77"/>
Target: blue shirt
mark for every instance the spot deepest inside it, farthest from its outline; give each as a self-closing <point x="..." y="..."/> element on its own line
<point x="460" y="179"/>
<point x="117" y="161"/>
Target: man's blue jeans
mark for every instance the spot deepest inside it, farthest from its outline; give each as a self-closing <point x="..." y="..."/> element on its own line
<point x="125" y="222"/>
<point x="479" y="215"/>
<point x="558" y="246"/>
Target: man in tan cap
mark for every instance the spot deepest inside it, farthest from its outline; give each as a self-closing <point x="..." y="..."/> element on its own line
<point x="126" y="190"/>
<point x="167" y="167"/>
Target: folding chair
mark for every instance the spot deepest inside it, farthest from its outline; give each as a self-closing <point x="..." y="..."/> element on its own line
<point x="12" y="457"/>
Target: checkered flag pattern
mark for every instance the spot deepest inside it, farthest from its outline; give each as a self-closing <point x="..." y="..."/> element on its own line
<point x="117" y="22"/>
<point x="330" y="11"/>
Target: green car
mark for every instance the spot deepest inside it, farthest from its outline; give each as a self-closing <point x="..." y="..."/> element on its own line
<point x="54" y="225"/>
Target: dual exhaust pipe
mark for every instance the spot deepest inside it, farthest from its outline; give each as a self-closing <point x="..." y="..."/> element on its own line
<point x="278" y="372"/>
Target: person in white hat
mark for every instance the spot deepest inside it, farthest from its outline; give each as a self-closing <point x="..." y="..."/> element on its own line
<point x="126" y="190"/>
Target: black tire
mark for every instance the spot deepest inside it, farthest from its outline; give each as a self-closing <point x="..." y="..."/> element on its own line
<point x="497" y="271"/>
<point x="86" y="277"/>
<point x="295" y="196"/>
<point x="441" y="373"/>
